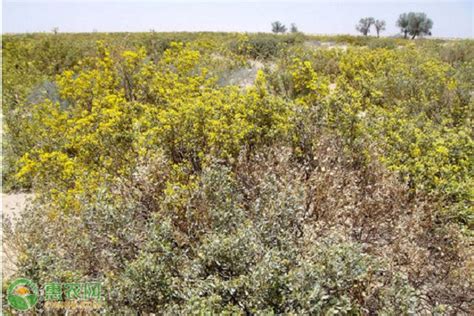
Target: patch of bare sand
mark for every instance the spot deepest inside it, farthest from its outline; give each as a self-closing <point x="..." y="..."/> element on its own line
<point x="327" y="45"/>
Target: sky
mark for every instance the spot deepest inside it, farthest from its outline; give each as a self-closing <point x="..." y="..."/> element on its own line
<point x="451" y="18"/>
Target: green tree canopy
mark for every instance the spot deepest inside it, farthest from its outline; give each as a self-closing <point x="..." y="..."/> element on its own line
<point x="379" y="26"/>
<point x="278" y="27"/>
<point x="414" y="24"/>
<point x="293" y="28"/>
<point x="364" y="25"/>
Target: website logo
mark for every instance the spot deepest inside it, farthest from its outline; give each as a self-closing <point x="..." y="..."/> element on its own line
<point x="22" y="294"/>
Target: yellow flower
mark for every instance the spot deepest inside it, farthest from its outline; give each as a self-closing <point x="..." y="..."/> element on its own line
<point x="22" y="290"/>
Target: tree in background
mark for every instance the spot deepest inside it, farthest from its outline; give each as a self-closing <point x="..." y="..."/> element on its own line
<point x="419" y="24"/>
<point x="379" y="26"/>
<point x="293" y="28"/>
<point x="278" y="27"/>
<point x="402" y="23"/>
<point x="364" y="25"/>
<point x="414" y="24"/>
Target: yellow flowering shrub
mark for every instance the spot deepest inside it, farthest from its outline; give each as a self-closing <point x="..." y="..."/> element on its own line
<point x="119" y="112"/>
<point x="333" y="180"/>
<point x="412" y="108"/>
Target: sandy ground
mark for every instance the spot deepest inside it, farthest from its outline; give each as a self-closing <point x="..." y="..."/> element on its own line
<point x="12" y="204"/>
<point x="329" y="45"/>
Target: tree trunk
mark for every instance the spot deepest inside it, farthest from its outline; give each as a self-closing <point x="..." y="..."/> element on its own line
<point x="405" y="34"/>
<point x="413" y="37"/>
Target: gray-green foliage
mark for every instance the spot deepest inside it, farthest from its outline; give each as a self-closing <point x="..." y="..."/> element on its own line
<point x="403" y="23"/>
<point x="302" y="219"/>
<point x="210" y="249"/>
<point x="293" y="28"/>
<point x="364" y="25"/>
<point x="379" y="26"/>
<point x="414" y="24"/>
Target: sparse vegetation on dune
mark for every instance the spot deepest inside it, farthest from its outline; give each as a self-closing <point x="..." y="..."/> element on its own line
<point x="330" y="181"/>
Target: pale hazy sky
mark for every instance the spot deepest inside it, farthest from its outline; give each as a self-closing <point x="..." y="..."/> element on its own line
<point x="451" y="18"/>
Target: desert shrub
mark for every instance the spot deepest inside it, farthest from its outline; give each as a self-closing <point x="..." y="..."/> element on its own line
<point x="412" y="109"/>
<point x="122" y="112"/>
<point x="157" y="47"/>
<point x="455" y="53"/>
<point x="388" y="43"/>
<point x="323" y="62"/>
<point x="263" y="46"/>
<point x="433" y="111"/>
<point x="209" y="248"/>
<point x="465" y="79"/>
<point x="257" y="239"/>
<point x="387" y="101"/>
<point x="31" y="63"/>
<point x="335" y="183"/>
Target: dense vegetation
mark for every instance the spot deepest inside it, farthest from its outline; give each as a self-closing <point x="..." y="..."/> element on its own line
<point x="338" y="180"/>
